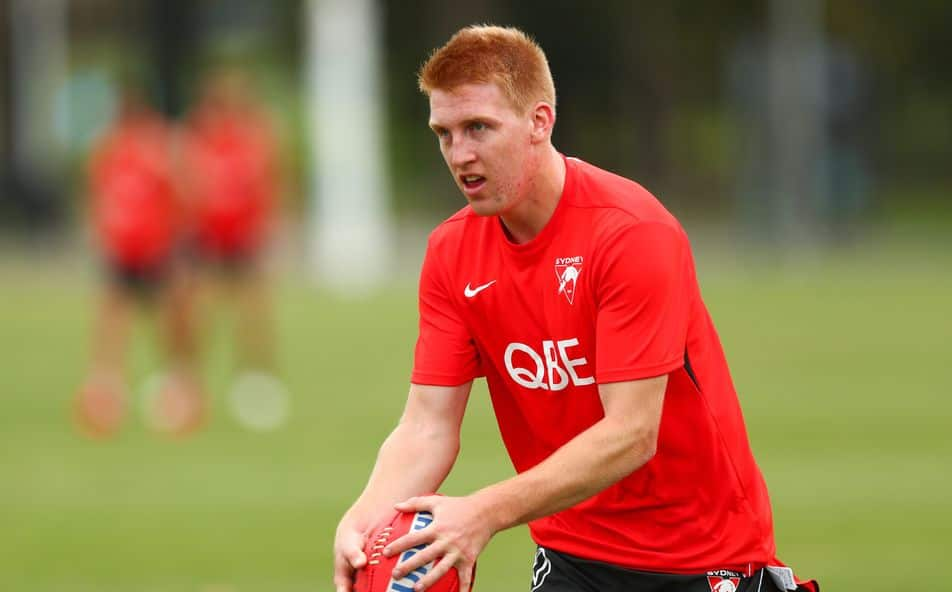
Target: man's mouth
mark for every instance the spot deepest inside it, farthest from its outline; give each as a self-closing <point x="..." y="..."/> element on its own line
<point x="472" y="183"/>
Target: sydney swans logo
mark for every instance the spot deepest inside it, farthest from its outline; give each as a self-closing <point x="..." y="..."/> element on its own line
<point x="567" y="270"/>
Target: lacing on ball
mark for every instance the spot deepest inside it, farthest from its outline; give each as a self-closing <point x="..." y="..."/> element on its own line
<point x="379" y="543"/>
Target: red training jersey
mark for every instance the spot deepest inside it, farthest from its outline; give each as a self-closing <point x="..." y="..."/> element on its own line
<point x="230" y="159"/>
<point x="134" y="205"/>
<point x="605" y="293"/>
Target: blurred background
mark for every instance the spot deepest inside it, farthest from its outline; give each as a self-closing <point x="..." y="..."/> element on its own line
<point x="805" y="145"/>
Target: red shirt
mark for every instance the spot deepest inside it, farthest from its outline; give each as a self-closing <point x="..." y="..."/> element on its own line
<point x="606" y="292"/>
<point x="134" y="205"/>
<point x="230" y="159"/>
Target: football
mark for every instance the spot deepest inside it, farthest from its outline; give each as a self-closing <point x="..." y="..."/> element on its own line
<point x="376" y="576"/>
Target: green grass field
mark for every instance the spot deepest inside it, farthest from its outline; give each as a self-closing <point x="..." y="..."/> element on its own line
<point x="843" y="366"/>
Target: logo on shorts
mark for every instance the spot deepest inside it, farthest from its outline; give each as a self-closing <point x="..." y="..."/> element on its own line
<point x="567" y="270"/>
<point x="540" y="569"/>
<point x="721" y="584"/>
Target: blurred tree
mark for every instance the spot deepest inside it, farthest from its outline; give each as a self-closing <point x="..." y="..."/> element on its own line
<point x="171" y="26"/>
<point x="905" y="46"/>
<point x="6" y="92"/>
<point x="641" y="85"/>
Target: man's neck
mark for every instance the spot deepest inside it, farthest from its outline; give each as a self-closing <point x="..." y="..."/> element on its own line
<point x="525" y="221"/>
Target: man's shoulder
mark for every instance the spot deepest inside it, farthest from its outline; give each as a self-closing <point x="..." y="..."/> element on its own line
<point x="618" y="198"/>
<point x="453" y="227"/>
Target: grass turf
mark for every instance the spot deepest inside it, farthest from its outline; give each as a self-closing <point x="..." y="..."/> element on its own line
<point x="842" y="365"/>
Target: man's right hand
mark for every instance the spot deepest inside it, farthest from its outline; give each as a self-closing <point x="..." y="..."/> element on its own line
<point x="348" y="555"/>
<point x="427" y="435"/>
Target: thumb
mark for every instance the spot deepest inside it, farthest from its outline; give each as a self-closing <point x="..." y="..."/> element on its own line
<point x="344" y="566"/>
<point x="356" y="558"/>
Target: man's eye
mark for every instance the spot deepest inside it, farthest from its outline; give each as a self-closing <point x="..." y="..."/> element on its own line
<point x="477" y="126"/>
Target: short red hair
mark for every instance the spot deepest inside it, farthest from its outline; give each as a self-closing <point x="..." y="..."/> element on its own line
<point x="481" y="54"/>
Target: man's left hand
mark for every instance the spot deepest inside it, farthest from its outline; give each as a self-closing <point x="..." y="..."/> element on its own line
<point x="459" y="532"/>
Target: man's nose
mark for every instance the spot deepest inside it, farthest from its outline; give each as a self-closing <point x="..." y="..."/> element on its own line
<point x="461" y="153"/>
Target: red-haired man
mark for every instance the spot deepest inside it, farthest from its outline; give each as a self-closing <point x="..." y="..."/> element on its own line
<point x="573" y="292"/>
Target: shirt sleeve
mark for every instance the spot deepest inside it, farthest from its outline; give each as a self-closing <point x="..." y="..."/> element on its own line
<point x="643" y="303"/>
<point x="445" y="353"/>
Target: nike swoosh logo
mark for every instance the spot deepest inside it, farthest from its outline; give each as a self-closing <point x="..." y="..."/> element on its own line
<point x="470" y="292"/>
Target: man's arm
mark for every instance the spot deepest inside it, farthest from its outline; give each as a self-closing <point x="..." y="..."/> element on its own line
<point x="428" y="433"/>
<point x="614" y="447"/>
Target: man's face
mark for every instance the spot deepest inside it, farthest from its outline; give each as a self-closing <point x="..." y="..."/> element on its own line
<point x="486" y="144"/>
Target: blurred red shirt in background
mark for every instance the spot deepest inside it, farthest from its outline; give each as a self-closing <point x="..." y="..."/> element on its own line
<point x="134" y="205"/>
<point x="229" y="158"/>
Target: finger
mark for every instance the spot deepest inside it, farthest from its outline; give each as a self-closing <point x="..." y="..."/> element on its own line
<point x="345" y="563"/>
<point x="415" y="504"/>
<point x="438" y="571"/>
<point x="343" y="575"/>
<point x="353" y="557"/>
<point x="357" y="559"/>
<point x="466" y="577"/>
<point x="408" y="541"/>
<point x="351" y="548"/>
<point x="418" y="559"/>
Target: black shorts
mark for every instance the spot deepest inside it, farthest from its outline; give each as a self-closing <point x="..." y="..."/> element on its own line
<point x="139" y="281"/>
<point x="557" y="572"/>
<point x="231" y="263"/>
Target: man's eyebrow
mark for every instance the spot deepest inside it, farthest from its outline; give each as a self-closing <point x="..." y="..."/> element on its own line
<point x="485" y="119"/>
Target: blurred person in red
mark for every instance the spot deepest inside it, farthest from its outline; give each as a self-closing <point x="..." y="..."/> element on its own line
<point x="136" y="217"/>
<point x="230" y="165"/>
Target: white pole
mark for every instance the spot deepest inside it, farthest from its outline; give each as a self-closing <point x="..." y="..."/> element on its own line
<point x="350" y="195"/>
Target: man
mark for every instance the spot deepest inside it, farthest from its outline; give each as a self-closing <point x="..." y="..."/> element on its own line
<point x="573" y="292"/>
<point x="230" y="175"/>
<point x="137" y="217"/>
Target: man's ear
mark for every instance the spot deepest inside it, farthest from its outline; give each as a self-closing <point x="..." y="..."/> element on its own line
<point x="543" y="120"/>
